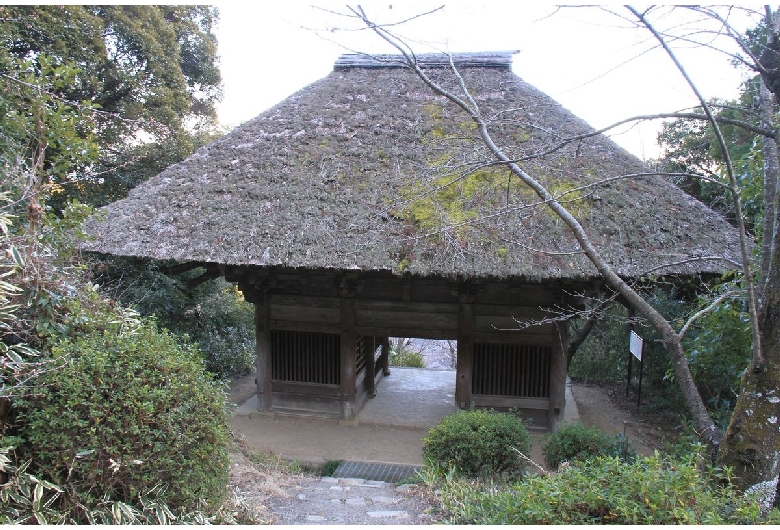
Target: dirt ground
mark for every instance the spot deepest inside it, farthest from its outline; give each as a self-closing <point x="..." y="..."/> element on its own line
<point x="602" y="406"/>
<point x="605" y="407"/>
<point x="242" y="389"/>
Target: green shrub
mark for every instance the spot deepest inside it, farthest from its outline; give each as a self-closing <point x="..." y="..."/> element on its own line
<point x="229" y="352"/>
<point x="213" y="315"/>
<point x="125" y="413"/>
<point x="27" y="499"/>
<point x="407" y="359"/>
<point x="602" y="357"/>
<point x="401" y="355"/>
<point x="605" y="490"/>
<point x="478" y="442"/>
<point x="329" y="467"/>
<point x="574" y="441"/>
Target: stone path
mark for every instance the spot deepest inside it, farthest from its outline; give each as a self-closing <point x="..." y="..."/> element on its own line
<point x="331" y="500"/>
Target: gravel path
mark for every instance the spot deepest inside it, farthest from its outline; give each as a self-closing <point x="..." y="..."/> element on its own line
<point x="329" y="500"/>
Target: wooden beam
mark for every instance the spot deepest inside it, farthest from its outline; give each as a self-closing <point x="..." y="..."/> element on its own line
<point x="385" y="358"/>
<point x="263" y="351"/>
<point x="513" y="338"/>
<point x="318" y="327"/>
<point x="371" y="369"/>
<point x="465" y="365"/>
<point x="348" y="360"/>
<point x="558" y="371"/>
<point x="288" y="387"/>
<point x="507" y="402"/>
<point x="408" y="332"/>
<point x="183" y="267"/>
<point x="210" y="274"/>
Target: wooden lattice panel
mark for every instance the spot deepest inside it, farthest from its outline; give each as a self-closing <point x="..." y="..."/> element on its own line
<point x="511" y="370"/>
<point x="305" y="357"/>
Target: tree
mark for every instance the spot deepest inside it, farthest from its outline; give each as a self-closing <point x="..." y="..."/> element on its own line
<point x="753" y="441"/>
<point x="140" y="90"/>
<point x="52" y="318"/>
<point x="151" y="70"/>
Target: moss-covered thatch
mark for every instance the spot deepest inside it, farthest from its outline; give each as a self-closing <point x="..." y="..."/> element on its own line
<point x="366" y="169"/>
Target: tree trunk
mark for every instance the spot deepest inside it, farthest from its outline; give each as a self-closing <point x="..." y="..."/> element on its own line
<point x="752" y="443"/>
<point x="771" y="172"/>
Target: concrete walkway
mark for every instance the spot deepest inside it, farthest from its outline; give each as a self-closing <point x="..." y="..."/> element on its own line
<point x="390" y="428"/>
<point x="411" y="397"/>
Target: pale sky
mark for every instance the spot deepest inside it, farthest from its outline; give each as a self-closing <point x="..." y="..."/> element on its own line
<point x="589" y="60"/>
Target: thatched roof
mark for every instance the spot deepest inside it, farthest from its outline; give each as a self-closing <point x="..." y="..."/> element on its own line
<point x="366" y="169"/>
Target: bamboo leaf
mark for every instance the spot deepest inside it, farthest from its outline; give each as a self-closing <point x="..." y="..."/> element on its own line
<point x="41" y="518"/>
<point x="16" y="256"/>
<point x="15" y="357"/>
<point x="37" y="496"/>
<point x="9" y="287"/>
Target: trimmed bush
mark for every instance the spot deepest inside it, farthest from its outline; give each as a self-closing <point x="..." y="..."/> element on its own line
<point x="478" y="442"/>
<point x="574" y="441"/>
<point x="127" y="412"/>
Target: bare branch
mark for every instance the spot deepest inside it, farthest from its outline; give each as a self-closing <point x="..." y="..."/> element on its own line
<point x="693" y="260"/>
<point x="759" y="361"/>
<point x="583" y="333"/>
<point x="709" y="309"/>
<point x="383" y="26"/>
<point x="769" y="133"/>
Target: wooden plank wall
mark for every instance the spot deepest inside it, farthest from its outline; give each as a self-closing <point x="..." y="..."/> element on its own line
<point x="419" y="309"/>
<point x="351" y="305"/>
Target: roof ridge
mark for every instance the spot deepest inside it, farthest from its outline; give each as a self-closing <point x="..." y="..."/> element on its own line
<point x="487" y="59"/>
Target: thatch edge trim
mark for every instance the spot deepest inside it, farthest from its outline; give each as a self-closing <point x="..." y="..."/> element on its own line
<point x="500" y="59"/>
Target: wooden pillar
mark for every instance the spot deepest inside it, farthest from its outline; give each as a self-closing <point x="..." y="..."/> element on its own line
<point x="558" y="373"/>
<point x="263" y="351"/>
<point x="465" y="364"/>
<point x="384" y="360"/>
<point x="371" y="369"/>
<point x="348" y="360"/>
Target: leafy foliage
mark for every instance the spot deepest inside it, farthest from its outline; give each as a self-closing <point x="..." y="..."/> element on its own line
<point x="128" y="411"/>
<point x="16" y="356"/>
<point x="103" y="446"/>
<point x="402" y="355"/>
<point x="602" y="357"/>
<point x="606" y="490"/>
<point x="151" y="70"/>
<point x="718" y="352"/>
<point x="575" y="441"/>
<point x="691" y="147"/>
<point x="214" y="315"/>
<point x="478" y="442"/>
<point x="26" y="499"/>
<point x="717" y="348"/>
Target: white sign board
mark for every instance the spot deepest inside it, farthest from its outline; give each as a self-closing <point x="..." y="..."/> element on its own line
<point x="636" y="345"/>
